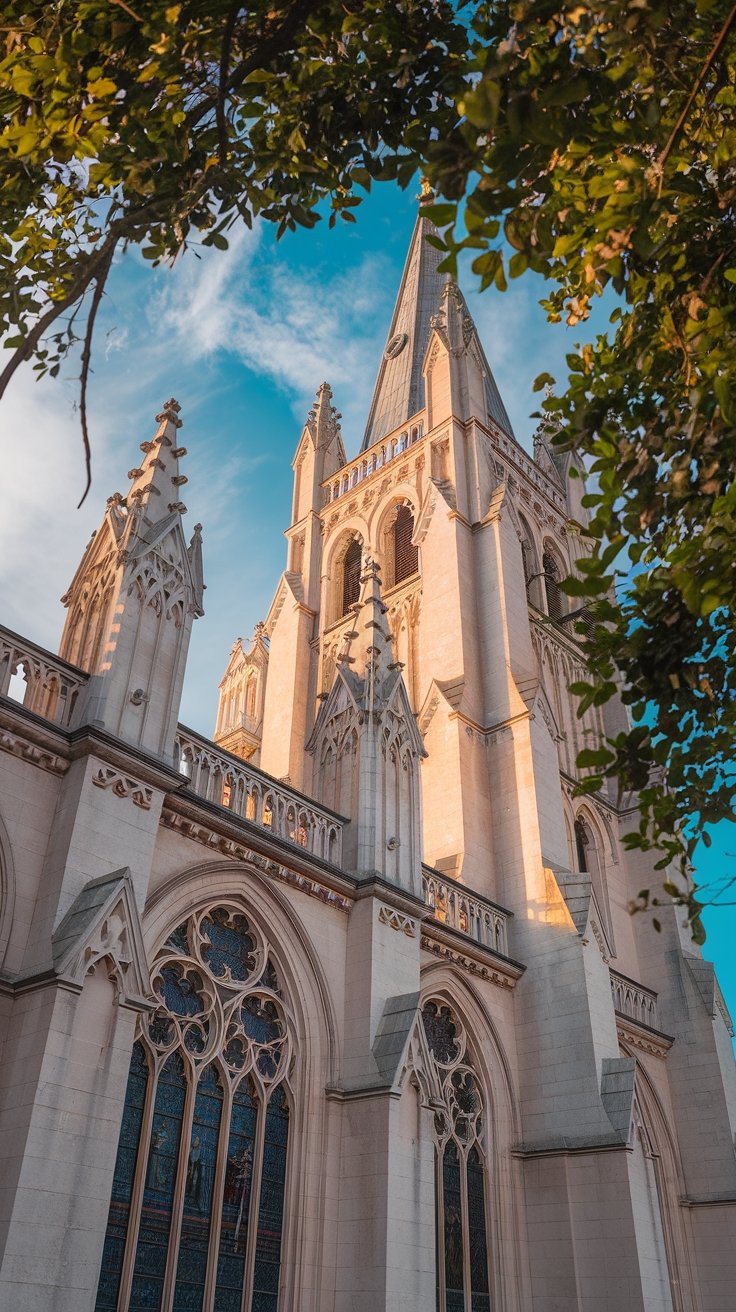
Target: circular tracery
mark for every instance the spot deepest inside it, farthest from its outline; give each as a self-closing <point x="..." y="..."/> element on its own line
<point x="219" y="993"/>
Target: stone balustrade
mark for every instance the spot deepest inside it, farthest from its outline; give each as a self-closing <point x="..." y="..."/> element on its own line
<point x="363" y="466"/>
<point x="452" y="904"/>
<point x="634" y="1000"/>
<point x="38" y="680"/>
<point x="228" y="781"/>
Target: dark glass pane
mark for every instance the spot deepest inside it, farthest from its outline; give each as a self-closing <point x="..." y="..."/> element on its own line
<point x="271" y="1206"/>
<point x="236" y="1201"/>
<point x="179" y="991"/>
<point x="155" y="1224"/>
<point x="406" y="555"/>
<point x="197" y="1212"/>
<point x="581" y="844"/>
<point x="122" y="1183"/>
<point x="260" y="1019"/>
<point x="454" y="1297"/>
<point x="178" y="940"/>
<point x="441" y="1032"/>
<point x="229" y="948"/>
<point x="436" y="1233"/>
<point x="269" y="978"/>
<point x="480" y="1300"/>
<point x="351" y="569"/>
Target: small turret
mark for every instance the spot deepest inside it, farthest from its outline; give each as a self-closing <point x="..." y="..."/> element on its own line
<point x="134" y="598"/>
<point x="367" y="748"/>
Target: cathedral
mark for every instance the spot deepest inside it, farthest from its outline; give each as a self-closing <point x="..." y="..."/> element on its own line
<point x="342" y="1010"/>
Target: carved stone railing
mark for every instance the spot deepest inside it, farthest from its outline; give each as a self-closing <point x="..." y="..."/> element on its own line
<point x="220" y="777"/>
<point x="380" y="455"/>
<point x="634" y="1000"/>
<point x="470" y="913"/>
<point x="48" y="686"/>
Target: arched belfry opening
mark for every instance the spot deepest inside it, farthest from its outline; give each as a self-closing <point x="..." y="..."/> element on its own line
<point x="554" y="595"/>
<point x="351" y="567"/>
<point x="405" y="553"/>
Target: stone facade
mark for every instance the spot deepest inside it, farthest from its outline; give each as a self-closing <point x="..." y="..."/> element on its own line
<point x="344" y="1011"/>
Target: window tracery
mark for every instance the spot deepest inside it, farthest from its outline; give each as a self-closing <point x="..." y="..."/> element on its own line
<point x="463" y="1283"/>
<point x="198" y="1190"/>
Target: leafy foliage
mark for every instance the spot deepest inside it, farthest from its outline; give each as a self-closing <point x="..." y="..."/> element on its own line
<point x="598" y="143"/>
<point x="158" y="124"/>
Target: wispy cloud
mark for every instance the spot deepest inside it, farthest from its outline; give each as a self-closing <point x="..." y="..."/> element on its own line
<point x="294" y="329"/>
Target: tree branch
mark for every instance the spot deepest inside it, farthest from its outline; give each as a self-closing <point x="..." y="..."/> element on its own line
<point x="100" y="281"/>
<point x="712" y="56"/>
<point x="77" y="288"/>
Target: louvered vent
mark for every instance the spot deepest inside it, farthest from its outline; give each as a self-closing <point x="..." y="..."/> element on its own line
<point x="351" y="576"/>
<point x="406" y="555"/>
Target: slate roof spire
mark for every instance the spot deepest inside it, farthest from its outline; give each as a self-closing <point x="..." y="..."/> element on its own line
<point x="420" y="306"/>
<point x="399" y="390"/>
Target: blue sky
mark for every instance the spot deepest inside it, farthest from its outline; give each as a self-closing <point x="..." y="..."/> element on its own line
<point x="243" y="340"/>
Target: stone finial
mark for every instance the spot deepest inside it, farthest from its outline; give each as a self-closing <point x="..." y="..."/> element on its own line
<point x="374" y="637"/>
<point x="170" y="411"/>
<point x="323" y="420"/>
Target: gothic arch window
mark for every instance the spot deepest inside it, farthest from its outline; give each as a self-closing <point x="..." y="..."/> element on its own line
<point x="461" y="1175"/>
<point x="199" y="1184"/>
<point x="553" y="593"/>
<point x="351" y="569"/>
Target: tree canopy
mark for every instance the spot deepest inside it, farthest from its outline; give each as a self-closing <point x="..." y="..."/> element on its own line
<point x="597" y="147"/>
<point x="160" y="124"/>
<point x="593" y="144"/>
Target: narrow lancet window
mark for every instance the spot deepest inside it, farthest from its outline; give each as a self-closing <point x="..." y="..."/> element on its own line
<point x="463" y="1279"/>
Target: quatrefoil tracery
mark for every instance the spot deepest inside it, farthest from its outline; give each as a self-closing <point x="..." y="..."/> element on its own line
<point x="219" y="996"/>
<point x="461" y="1115"/>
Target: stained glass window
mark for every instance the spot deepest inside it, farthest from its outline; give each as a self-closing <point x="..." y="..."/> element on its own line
<point x="454" y="1296"/>
<point x="122" y="1184"/>
<point x="463" y="1282"/>
<point x="236" y="1200"/>
<point x="191" y="1147"/>
<point x="271" y="1206"/>
<point x="196" y="1216"/>
<point x="480" y="1300"/>
<point x="158" y="1194"/>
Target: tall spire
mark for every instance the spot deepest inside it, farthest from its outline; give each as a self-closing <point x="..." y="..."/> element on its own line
<point x="399" y="390"/>
<point x="427" y="300"/>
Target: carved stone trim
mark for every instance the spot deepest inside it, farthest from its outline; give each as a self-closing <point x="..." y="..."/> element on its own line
<point x="238" y="852"/>
<point x="396" y="920"/>
<point x="466" y="962"/>
<point x="642" y="1038"/>
<point x="27" y="751"/>
<point x="123" y="786"/>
